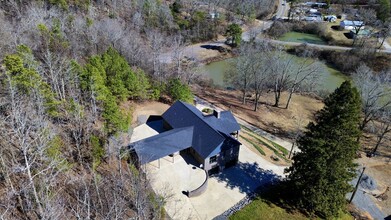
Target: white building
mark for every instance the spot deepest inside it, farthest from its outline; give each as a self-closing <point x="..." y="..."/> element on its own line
<point x="350" y="25"/>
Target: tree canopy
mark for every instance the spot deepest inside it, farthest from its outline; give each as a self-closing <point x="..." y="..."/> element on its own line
<point x="110" y="80"/>
<point x="179" y="91"/>
<point x="321" y="171"/>
<point x="234" y="33"/>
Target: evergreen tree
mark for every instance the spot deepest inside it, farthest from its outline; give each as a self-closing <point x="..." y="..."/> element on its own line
<point x="234" y="32"/>
<point x="319" y="177"/>
<point x="179" y="91"/>
<point x="383" y="10"/>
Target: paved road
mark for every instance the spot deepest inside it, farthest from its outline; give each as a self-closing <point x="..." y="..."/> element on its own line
<point x="282" y="10"/>
<point x="324" y="47"/>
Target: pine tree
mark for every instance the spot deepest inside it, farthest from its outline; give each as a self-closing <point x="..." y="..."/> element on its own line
<point x="319" y="177"/>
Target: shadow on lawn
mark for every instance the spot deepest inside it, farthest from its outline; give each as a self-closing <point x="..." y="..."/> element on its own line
<point x="247" y="177"/>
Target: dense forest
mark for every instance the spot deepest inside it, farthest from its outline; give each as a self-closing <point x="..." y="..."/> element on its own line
<point x="67" y="68"/>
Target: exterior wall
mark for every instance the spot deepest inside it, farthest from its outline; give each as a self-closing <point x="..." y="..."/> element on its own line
<point x="208" y="165"/>
<point x="224" y="158"/>
<point x="201" y="189"/>
<point x="229" y="156"/>
<point x="166" y="126"/>
<point x="196" y="156"/>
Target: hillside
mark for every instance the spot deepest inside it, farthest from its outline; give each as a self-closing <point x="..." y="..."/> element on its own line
<point x="68" y="69"/>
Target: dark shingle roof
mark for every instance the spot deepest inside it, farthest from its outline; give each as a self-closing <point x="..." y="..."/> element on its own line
<point x="207" y="136"/>
<point x="163" y="144"/>
<point x="225" y="124"/>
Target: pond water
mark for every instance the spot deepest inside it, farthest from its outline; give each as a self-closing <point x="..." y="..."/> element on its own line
<point x="302" y="38"/>
<point x="330" y="78"/>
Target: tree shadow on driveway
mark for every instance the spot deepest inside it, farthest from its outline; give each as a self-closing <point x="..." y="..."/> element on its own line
<point x="247" y="177"/>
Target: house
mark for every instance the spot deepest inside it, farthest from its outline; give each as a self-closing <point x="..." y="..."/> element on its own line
<point x="211" y="139"/>
<point x="214" y="15"/>
<point x="314" y="18"/>
<point x="350" y="25"/>
<point x="316" y="4"/>
<point x="330" y="18"/>
<point x="361" y="33"/>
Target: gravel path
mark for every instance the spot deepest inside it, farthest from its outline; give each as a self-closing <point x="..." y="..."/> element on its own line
<point x="363" y="201"/>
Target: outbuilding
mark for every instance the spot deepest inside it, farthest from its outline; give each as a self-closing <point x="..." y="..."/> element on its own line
<point x="350" y="25"/>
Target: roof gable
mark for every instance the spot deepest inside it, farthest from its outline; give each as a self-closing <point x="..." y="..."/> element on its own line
<point x="226" y="123"/>
<point x="163" y="144"/>
<point x="205" y="138"/>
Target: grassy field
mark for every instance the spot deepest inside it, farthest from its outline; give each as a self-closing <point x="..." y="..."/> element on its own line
<point x="337" y="37"/>
<point x="302" y="38"/>
<point x="261" y="209"/>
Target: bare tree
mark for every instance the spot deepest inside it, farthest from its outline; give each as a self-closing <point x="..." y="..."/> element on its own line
<point x="385" y="32"/>
<point x="381" y="127"/>
<point x="177" y="54"/>
<point x="156" y="45"/>
<point x="28" y="144"/>
<point x="240" y="75"/>
<point x="368" y="17"/>
<point x="374" y="91"/>
<point x="260" y="69"/>
<point x="307" y="69"/>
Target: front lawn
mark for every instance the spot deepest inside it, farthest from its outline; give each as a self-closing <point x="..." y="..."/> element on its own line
<point x="261" y="209"/>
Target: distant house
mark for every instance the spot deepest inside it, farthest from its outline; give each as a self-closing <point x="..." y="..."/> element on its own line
<point x="314" y="18"/>
<point x="210" y="139"/>
<point x="361" y="33"/>
<point x="214" y="15"/>
<point x="350" y="25"/>
<point x="330" y="18"/>
<point x="316" y="4"/>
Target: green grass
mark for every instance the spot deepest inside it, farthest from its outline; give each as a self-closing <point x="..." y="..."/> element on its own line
<point x="259" y="209"/>
<point x="259" y="149"/>
<point x="302" y="38"/>
<point x="278" y="150"/>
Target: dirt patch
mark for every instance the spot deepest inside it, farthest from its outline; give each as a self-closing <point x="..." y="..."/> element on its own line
<point x="147" y="108"/>
<point x="379" y="168"/>
<point x="279" y="121"/>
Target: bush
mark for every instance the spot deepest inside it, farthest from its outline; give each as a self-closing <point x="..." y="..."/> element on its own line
<point x="279" y="28"/>
<point x="98" y="151"/>
<point x="179" y="91"/>
<point x="207" y="111"/>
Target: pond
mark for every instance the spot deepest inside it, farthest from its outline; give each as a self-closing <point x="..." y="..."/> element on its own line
<point x="302" y="38"/>
<point x="330" y="78"/>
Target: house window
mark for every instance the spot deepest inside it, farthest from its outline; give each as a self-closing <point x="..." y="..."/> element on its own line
<point x="213" y="159"/>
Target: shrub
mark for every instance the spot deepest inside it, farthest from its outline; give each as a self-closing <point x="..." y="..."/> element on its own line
<point x="279" y="28"/>
<point x="179" y="91"/>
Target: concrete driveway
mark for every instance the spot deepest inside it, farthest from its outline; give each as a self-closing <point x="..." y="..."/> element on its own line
<point x="224" y="190"/>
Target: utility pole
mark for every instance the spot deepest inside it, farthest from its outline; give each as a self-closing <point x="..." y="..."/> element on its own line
<point x="358" y="182"/>
<point x="290" y="153"/>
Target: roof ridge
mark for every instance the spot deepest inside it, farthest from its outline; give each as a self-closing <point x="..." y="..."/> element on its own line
<point x="203" y="120"/>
